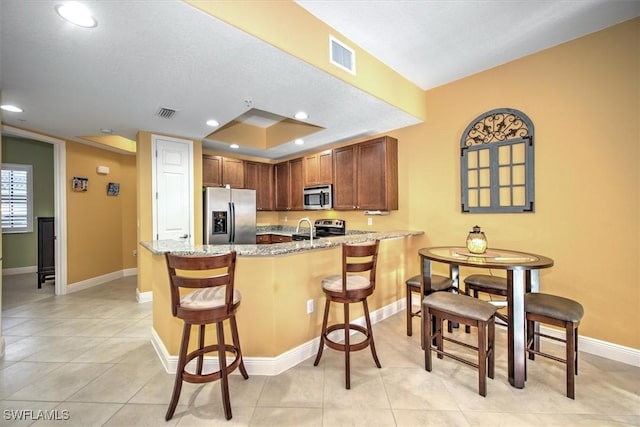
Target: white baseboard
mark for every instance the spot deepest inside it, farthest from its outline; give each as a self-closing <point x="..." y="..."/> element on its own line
<point x="129" y="272"/>
<point x="19" y="270"/>
<point x="143" y="297"/>
<point x="99" y="280"/>
<point x="268" y="365"/>
<point x="275" y="365"/>
<point x="619" y="353"/>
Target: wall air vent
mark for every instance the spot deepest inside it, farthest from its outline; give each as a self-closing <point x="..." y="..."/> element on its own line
<point x="166" y="113"/>
<point x="342" y="55"/>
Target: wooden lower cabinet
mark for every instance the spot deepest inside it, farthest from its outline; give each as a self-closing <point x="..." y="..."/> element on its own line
<point x="266" y="239"/>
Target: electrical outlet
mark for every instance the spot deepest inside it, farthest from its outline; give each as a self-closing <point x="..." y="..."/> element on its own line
<point x="369" y="221"/>
<point x="310" y="306"/>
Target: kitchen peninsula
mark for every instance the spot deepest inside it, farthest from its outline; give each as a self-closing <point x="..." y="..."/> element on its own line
<point x="277" y="282"/>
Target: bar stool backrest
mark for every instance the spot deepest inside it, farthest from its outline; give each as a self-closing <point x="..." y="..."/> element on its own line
<point x="197" y="272"/>
<point x="359" y="259"/>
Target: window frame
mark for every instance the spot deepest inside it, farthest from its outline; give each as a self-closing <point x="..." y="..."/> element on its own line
<point x="29" y="198"/>
<point x="493" y="130"/>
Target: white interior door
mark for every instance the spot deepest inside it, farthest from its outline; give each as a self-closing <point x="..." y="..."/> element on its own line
<point x="173" y="188"/>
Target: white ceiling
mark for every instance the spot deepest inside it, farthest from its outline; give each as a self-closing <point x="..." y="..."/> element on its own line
<point x="145" y="55"/>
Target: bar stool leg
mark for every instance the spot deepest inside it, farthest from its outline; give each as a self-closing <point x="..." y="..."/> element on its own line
<point x="426" y="326"/>
<point x="408" y="310"/>
<point x="571" y="358"/>
<point x="200" y="347"/>
<point x="323" y="332"/>
<point x="347" y="356"/>
<point x="236" y="344"/>
<point x="482" y="358"/>
<point x="224" y="379"/>
<point x="491" y="347"/>
<point x="186" y="331"/>
<point x="367" y="319"/>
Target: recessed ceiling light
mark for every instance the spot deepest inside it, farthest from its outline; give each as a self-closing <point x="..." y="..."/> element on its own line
<point x="301" y="115"/>
<point x="77" y="14"/>
<point x="213" y="123"/>
<point x="11" y="108"/>
<point x="299" y="141"/>
<point x="234" y="146"/>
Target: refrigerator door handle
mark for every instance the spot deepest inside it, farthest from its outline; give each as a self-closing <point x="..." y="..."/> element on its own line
<point x="232" y="231"/>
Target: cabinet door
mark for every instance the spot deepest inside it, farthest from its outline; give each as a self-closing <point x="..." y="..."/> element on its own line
<point x="318" y="168"/>
<point x="296" y="184"/>
<point x="259" y="177"/>
<point x="211" y="171"/>
<point x="325" y="167"/>
<point x="264" y="192"/>
<point x="281" y="172"/>
<point x="378" y="174"/>
<point x="344" y="182"/>
<point x="233" y="172"/>
<point x="310" y="169"/>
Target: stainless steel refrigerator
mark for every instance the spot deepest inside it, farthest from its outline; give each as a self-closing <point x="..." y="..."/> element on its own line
<point x="229" y="216"/>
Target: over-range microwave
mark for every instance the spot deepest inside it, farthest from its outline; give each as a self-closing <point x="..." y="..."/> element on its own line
<point x="318" y="197"/>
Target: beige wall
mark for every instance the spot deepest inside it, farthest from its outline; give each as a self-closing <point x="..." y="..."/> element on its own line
<point x="583" y="98"/>
<point x="144" y="204"/>
<point x="99" y="238"/>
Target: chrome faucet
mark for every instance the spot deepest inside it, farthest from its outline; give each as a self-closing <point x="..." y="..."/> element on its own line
<point x="310" y="227"/>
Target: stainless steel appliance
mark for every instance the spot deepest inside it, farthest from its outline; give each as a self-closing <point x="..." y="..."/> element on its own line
<point x="229" y="216"/>
<point x="318" y="197"/>
<point x="324" y="228"/>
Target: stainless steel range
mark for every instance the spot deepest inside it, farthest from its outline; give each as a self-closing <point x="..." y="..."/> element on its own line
<point x="324" y="228"/>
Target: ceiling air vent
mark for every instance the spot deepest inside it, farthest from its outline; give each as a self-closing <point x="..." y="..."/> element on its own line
<point x="342" y="55"/>
<point x="166" y="113"/>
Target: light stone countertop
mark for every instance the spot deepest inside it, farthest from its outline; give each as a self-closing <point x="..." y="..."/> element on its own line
<point x="159" y="247"/>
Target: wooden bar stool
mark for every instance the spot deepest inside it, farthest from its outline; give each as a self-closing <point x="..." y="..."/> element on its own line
<point x="438" y="284"/>
<point x="214" y="301"/>
<point x="349" y="288"/>
<point x="488" y="284"/>
<point x="557" y="311"/>
<point x="467" y="311"/>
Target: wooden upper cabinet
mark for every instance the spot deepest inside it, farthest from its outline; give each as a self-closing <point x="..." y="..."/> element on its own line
<point x="211" y="171"/>
<point x="318" y="168"/>
<point x="218" y="171"/>
<point x="296" y="184"/>
<point x="232" y="172"/>
<point x="289" y="185"/>
<point x="344" y="181"/>
<point x="366" y="175"/>
<point x="378" y="174"/>
<point x="282" y="186"/>
<point x="259" y="177"/>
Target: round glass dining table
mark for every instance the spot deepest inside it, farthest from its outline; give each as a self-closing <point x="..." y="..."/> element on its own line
<point x="523" y="274"/>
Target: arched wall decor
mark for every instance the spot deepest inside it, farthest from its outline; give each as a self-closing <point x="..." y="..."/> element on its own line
<point x="496" y="163"/>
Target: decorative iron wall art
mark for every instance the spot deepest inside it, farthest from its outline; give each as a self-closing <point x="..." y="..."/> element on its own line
<point x="496" y="163"/>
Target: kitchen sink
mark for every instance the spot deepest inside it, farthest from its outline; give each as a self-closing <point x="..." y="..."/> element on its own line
<point x="297" y="237"/>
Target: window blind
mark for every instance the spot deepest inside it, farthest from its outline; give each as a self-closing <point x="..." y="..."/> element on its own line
<point x="16" y="198"/>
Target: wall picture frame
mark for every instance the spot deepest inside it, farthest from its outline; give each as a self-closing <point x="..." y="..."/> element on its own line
<point x="80" y="184"/>
<point x="113" y="189"/>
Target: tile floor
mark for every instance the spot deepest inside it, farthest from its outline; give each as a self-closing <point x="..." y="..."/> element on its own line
<point x="88" y="356"/>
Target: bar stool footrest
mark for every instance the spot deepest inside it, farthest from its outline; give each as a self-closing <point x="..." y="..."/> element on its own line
<point x="352" y="346"/>
<point x="213" y="376"/>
